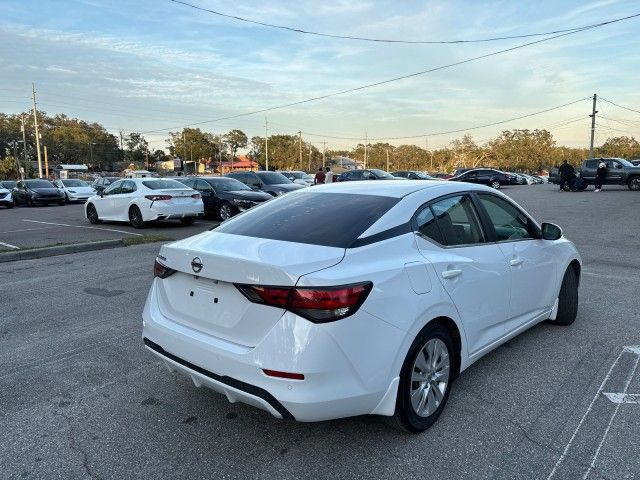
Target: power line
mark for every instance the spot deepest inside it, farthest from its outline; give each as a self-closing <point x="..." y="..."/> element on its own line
<point x="620" y="106"/>
<point x="377" y="40"/>
<point x="402" y="77"/>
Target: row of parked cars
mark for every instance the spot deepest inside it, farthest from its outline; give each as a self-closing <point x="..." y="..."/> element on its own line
<point x="41" y="191"/>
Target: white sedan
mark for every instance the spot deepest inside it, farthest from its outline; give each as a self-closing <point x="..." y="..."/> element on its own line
<point x="141" y="200"/>
<point x="375" y="312"/>
<point x="75" y="190"/>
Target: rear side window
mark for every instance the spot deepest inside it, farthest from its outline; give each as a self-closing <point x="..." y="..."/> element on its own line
<point x="592" y="164"/>
<point x="458" y="221"/>
<point x="302" y="218"/>
<point x="163" y="184"/>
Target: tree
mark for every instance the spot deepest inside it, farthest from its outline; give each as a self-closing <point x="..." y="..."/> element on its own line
<point x="235" y="139"/>
<point x="625" y="147"/>
<point x="192" y="144"/>
<point x="137" y="148"/>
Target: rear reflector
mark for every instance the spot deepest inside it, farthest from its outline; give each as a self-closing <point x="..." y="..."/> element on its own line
<point x="162" y="271"/>
<point x="288" y="375"/>
<point x="318" y="304"/>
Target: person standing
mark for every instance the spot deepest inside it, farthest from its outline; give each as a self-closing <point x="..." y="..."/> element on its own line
<point x="328" y="177"/>
<point x="601" y="173"/>
<point x="567" y="173"/>
<point x="319" y="178"/>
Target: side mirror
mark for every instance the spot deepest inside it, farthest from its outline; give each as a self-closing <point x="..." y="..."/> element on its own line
<point x="618" y="166"/>
<point x="551" y="231"/>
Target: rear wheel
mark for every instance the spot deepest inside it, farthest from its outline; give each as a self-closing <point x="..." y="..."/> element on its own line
<point x="225" y="211"/>
<point x="495" y="184"/>
<point x="425" y="379"/>
<point x="135" y="217"/>
<point x="62" y="202"/>
<point x="92" y="214"/>
<point x="187" y="220"/>
<point x="634" y="184"/>
<point x="568" y="299"/>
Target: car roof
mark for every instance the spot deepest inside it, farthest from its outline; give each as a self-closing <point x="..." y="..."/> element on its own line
<point x="392" y="188"/>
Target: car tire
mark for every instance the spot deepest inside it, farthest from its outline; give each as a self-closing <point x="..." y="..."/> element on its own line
<point x="92" y="214"/>
<point x="431" y="356"/>
<point x="568" y="299"/>
<point x="62" y="203"/>
<point x="30" y="202"/>
<point x="495" y="184"/>
<point x="634" y="184"/>
<point x="66" y="198"/>
<point x="566" y="186"/>
<point x="225" y="211"/>
<point x="11" y="205"/>
<point x="135" y="217"/>
<point x="187" y="220"/>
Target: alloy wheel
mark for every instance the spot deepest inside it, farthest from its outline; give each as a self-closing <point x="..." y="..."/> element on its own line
<point x="430" y="377"/>
<point x="634" y="184"/>
<point x="225" y="212"/>
<point x="495" y="184"/>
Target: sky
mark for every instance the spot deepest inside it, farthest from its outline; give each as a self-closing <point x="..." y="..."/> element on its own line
<point x="155" y="66"/>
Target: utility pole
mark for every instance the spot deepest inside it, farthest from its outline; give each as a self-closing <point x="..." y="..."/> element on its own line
<point x="300" y="134"/>
<point x="46" y="163"/>
<point x="309" y="159"/>
<point x="184" y="153"/>
<point x="593" y="124"/>
<point x="365" y="150"/>
<point x="24" y="146"/>
<point x="324" y="149"/>
<point x="15" y="159"/>
<point x="35" y="121"/>
<point x="266" y="143"/>
<point x="387" y="160"/>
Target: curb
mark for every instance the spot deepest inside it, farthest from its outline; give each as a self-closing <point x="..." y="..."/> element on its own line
<point x="59" y="250"/>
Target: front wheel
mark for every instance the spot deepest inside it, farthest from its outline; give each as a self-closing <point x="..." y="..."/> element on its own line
<point x="568" y="299"/>
<point x="92" y="215"/>
<point x="62" y="203"/>
<point x="495" y="184"/>
<point x="225" y="211"/>
<point x="634" y="184"/>
<point x="30" y="202"/>
<point x="425" y="379"/>
<point x="187" y="220"/>
<point x="135" y="217"/>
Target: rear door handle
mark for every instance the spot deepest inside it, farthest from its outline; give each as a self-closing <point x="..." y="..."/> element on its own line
<point x="451" y="273"/>
<point x="514" y="262"/>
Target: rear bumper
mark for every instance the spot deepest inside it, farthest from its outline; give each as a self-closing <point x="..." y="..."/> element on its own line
<point x="341" y="376"/>
<point x="160" y="212"/>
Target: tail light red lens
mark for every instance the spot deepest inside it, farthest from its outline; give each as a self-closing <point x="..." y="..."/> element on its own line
<point x="162" y="271"/>
<point x="155" y="198"/>
<point x="317" y="304"/>
<point x="196" y="196"/>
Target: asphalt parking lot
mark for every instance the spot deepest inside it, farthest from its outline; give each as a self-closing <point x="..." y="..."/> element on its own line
<point x="40" y="226"/>
<point x="80" y="397"/>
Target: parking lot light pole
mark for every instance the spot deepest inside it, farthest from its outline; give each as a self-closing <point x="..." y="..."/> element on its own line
<point x="91" y="144"/>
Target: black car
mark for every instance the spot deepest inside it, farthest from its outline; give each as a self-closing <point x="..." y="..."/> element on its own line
<point x="99" y="184"/>
<point x="8" y="184"/>
<point x="224" y="197"/>
<point x="413" y="175"/>
<point x="273" y="183"/>
<point x="369" y="174"/>
<point x="37" y="191"/>
<point x="484" y="176"/>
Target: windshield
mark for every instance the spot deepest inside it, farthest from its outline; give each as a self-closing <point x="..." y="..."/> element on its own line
<point x="163" y="184"/>
<point x="74" y="183"/>
<point x="382" y="174"/>
<point x="272" y="178"/>
<point x="624" y="162"/>
<point x="39" y="184"/>
<point x="295" y="175"/>
<point x="8" y="184"/>
<point x="294" y="218"/>
<point x="423" y="175"/>
<point x="227" y="184"/>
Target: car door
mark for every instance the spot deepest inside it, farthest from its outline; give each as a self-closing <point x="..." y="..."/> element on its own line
<point x="123" y="199"/>
<point x="589" y="169"/>
<point x="530" y="259"/>
<point x="207" y="193"/>
<point x="472" y="270"/>
<point x="614" y="173"/>
<point x="19" y="192"/>
<point x="469" y="177"/>
<point x="105" y="205"/>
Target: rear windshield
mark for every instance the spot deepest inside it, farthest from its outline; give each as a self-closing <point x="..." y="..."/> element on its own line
<point x="328" y="219"/>
<point x="163" y="184"/>
<point x="272" y="178"/>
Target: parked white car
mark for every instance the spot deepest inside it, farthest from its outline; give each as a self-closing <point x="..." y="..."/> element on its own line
<point x="141" y="200"/>
<point x="375" y="313"/>
<point x="75" y="190"/>
<point x="299" y="177"/>
<point x="6" y="199"/>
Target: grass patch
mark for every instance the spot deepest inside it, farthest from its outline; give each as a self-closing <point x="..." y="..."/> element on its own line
<point x="129" y="241"/>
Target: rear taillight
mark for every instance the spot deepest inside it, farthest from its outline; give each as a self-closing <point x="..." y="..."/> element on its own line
<point x="162" y="271"/>
<point x="196" y="196"/>
<point x="317" y="304"/>
<point x="155" y="198"/>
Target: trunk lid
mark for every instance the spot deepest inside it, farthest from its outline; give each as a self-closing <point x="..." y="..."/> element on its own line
<point x="209" y="302"/>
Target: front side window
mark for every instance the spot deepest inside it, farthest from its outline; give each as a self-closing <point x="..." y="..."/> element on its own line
<point x="458" y="221"/>
<point x="114" y="188"/>
<point x="272" y="178"/>
<point x="427" y="226"/>
<point x="508" y="221"/>
<point x="128" y="187"/>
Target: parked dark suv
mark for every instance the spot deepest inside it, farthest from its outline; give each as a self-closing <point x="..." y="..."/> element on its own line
<point x="273" y="183"/>
<point x="484" y="176"/>
<point x="619" y="172"/>
<point x="224" y="197"/>
<point x="370" y="174"/>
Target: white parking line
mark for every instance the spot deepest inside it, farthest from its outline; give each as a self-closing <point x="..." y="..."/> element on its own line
<point x="615" y="412"/>
<point x="84" y="226"/>
<point x="8" y="245"/>
<point x="27" y="229"/>
<point x="632" y="398"/>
